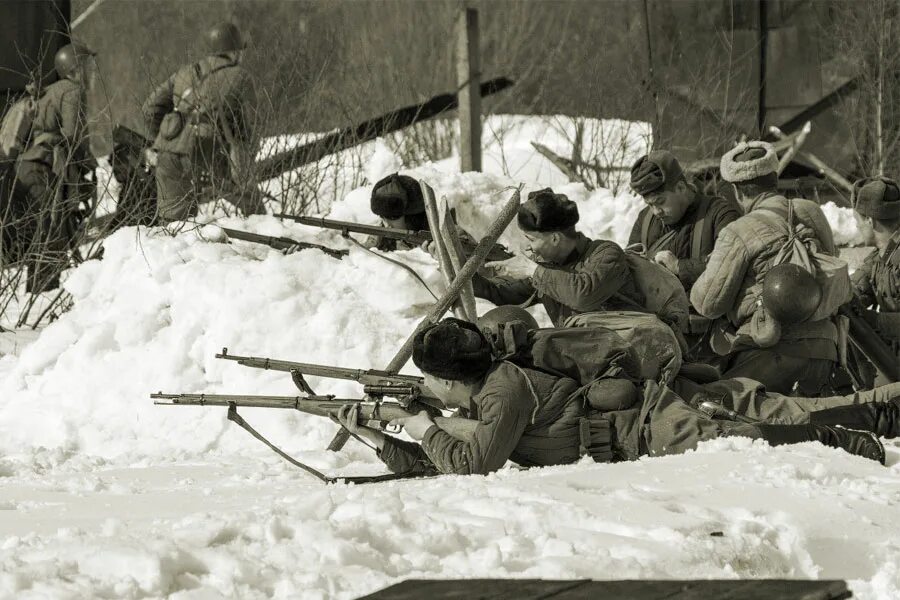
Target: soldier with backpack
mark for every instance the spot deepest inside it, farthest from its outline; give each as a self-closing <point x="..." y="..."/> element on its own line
<point x="571" y="274"/>
<point x="52" y="167"/>
<point x="678" y="229"/>
<point x="535" y="413"/>
<point x="758" y="330"/>
<point x="203" y="138"/>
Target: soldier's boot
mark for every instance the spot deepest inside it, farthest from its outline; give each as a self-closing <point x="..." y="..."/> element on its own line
<point x="881" y="418"/>
<point x="858" y="443"/>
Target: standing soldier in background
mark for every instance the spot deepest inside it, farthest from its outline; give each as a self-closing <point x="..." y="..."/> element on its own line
<point x="52" y="169"/>
<point x="200" y="122"/>
<point x="678" y="227"/>
<point x="877" y="282"/>
<point x="806" y="353"/>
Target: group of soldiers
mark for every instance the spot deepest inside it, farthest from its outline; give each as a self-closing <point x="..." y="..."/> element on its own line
<point x="775" y="366"/>
<point x="783" y="385"/>
<point x="199" y="121"/>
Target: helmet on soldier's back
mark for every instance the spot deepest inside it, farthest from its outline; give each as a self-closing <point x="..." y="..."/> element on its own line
<point x="70" y="57"/>
<point x="224" y="37"/>
<point x="790" y="293"/>
<point x="493" y="318"/>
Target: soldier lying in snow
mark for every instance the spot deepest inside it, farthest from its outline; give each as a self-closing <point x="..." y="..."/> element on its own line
<point x="535" y="418"/>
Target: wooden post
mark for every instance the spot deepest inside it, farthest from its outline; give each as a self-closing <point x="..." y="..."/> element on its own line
<point x="763" y="42"/>
<point x="468" y="76"/>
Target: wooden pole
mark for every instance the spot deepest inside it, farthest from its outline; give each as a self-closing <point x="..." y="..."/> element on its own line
<point x="654" y="89"/>
<point x="468" y="75"/>
<point x="763" y="60"/>
<point x="450" y="235"/>
<point x="465" y="274"/>
<point x="440" y="248"/>
<point x="788" y="155"/>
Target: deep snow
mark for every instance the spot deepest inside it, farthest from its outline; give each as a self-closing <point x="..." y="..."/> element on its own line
<point x="103" y="494"/>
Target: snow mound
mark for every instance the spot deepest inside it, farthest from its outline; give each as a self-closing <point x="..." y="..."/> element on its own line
<point x="153" y="313"/>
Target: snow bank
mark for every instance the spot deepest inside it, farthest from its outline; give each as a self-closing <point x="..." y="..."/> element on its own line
<point x="733" y="509"/>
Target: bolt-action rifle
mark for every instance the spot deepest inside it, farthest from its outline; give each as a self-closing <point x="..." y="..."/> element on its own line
<point x="376" y="414"/>
<point x="281" y="243"/>
<point x="413" y="238"/>
<point x="376" y="383"/>
<point x="870" y="342"/>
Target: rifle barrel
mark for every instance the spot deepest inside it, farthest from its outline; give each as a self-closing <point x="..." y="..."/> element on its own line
<point x="413" y="238"/>
<point x="370" y="376"/>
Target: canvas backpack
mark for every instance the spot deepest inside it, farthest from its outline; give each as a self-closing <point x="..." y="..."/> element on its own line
<point x="831" y="272"/>
<point x="15" y="127"/>
<point x="663" y="293"/>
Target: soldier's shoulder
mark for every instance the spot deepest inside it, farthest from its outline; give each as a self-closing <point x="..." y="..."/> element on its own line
<point x="507" y="381"/>
<point x="61" y="88"/>
<point x="719" y="204"/>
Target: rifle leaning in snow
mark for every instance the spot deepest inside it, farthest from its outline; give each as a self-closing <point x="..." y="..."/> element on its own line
<point x="375" y="414"/>
<point x="376" y="384"/>
<point x="281" y="243"/>
<point x="412" y="238"/>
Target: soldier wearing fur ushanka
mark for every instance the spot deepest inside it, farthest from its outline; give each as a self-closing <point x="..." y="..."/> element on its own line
<point x="729" y="288"/>
<point x="877" y="281"/>
<point x="679" y="226"/>
<point x="564" y="270"/>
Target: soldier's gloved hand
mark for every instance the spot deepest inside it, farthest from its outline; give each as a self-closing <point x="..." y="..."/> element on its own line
<point x="518" y="267"/>
<point x="668" y="260"/>
<point x="150" y="157"/>
<point x="431" y="248"/>
<point x="415" y="426"/>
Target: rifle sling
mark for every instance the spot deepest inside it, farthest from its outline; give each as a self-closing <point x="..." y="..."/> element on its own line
<point x="234" y="417"/>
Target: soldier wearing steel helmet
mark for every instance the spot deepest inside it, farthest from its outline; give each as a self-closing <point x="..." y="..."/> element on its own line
<point x="801" y="355"/>
<point x="52" y="169"/>
<point x="199" y="118"/>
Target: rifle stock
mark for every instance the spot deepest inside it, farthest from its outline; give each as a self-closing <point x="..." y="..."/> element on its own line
<point x="373" y="414"/>
<point x="413" y="238"/>
<point x="871" y="345"/>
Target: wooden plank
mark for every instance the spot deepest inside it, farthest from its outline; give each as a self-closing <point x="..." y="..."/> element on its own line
<point x="532" y="589"/>
<point x="468" y="74"/>
<point x="450" y="237"/>
<point x="448" y="272"/>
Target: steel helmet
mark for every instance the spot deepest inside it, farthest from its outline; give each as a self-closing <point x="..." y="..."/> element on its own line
<point x="493" y="318"/>
<point x="790" y="293"/>
<point x="70" y="57"/>
<point x="224" y="37"/>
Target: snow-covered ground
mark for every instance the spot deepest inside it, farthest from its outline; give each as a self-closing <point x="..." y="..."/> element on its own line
<point x="103" y="494"/>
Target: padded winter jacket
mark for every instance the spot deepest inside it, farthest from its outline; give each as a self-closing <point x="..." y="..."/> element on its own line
<point x="877" y="281"/>
<point x="526" y="416"/>
<point x="594" y="277"/>
<point x="743" y="255"/>
<point x="692" y="247"/>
